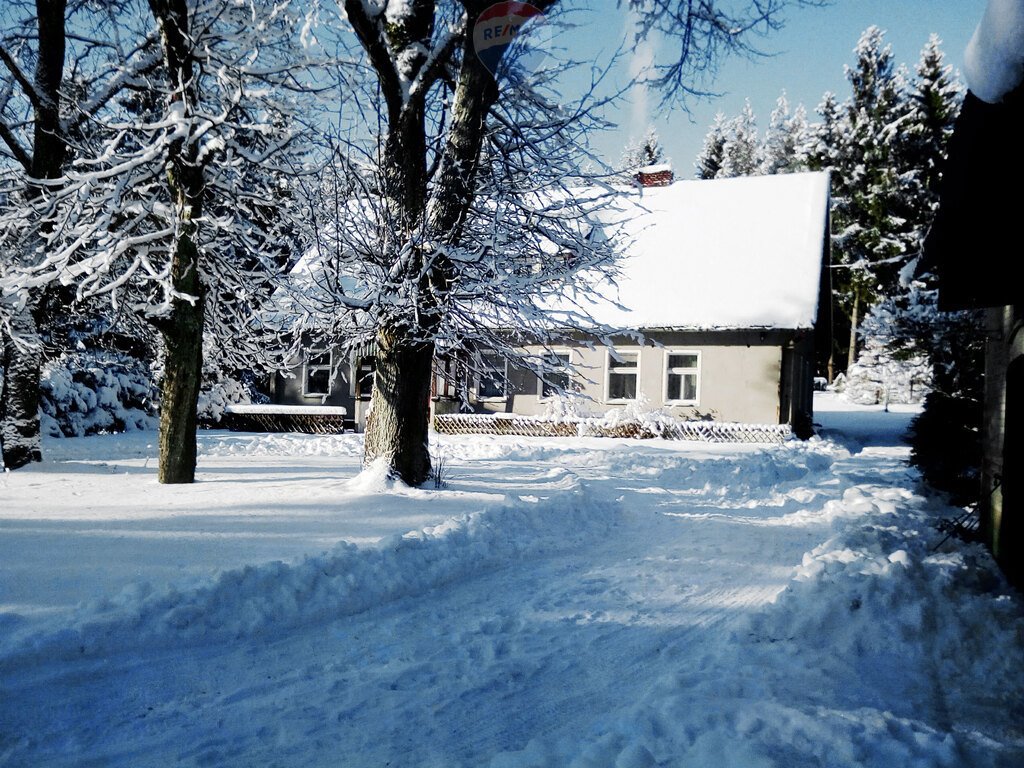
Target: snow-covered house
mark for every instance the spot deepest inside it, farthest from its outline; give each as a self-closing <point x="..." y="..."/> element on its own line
<point x="718" y="304"/>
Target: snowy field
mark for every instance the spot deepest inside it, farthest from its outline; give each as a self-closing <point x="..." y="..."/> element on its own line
<point x="561" y="603"/>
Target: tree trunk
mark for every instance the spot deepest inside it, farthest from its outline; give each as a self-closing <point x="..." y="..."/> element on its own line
<point x="852" y="357"/>
<point x="19" y="399"/>
<point x="474" y="96"/>
<point x="49" y="148"/>
<point x="183" y="368"/>
<point x="398" y="425"/>
<point x="399" y="422"/>
<point x="182" y="331"/>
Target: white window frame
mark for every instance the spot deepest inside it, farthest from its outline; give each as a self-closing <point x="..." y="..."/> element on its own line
<point x="504" y="382"/>
<point x="568" y="372"/>
<point x="307" y="368"/>
<point x="696" y="370"/>
<point x="610" y="366"/>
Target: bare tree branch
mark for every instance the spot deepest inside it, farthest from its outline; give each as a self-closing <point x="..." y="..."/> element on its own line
<point x="35" y="99"/>
<point x="370" y="31"/>
<point x="19" y="152"/>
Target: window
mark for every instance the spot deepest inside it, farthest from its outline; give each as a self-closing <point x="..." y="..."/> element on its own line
<point x="556" y="376"/>
<point x="491" y="376"/>
<point x="622" y="375"/>
<point x="682" y="377"/>
<point x="449" y="376"/>
<point x="364" y="377"/>
<point x="316" y="380"/>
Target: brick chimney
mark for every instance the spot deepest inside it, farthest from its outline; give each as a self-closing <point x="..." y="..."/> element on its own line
<point x="655" y="175"/>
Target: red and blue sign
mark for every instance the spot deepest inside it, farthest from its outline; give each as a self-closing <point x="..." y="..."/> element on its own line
<point x="498" y="27"/>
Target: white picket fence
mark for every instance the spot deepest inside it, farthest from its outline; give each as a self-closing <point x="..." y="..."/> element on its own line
<point x="525" y="426"/>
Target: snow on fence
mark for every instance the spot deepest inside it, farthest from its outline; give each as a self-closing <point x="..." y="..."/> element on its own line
<point x="524" y="426"/>
<point x="316" y="420"/>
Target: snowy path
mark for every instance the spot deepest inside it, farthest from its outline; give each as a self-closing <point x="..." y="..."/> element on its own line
<point x="615" y="611"/>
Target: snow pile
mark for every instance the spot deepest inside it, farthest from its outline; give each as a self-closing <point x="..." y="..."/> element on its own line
<point x="85" y="393"/>
<point x="994" y="59"/>
<point x="266" y="600"/>
<point x="820" y="676"/>
<point x="279" y="444"/>
<point x="878" y="595"/>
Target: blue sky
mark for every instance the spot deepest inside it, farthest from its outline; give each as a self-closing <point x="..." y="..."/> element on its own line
<point x="808" y="58"/>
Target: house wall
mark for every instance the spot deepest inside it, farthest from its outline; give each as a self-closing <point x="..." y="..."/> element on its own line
<point x="1002" y="494"/>
<point x="287" y="389"/>
<point x="760" y="377"/>
<point x="740" y="377"/>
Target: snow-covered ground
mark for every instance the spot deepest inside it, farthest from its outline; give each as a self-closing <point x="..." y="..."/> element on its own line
<point x="587" y="602"/>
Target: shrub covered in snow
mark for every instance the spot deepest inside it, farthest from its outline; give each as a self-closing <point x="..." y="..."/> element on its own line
<point x="880" y="377"/>
<point x="84" y="393"/>
<point x="566" y="407"/>
<point x="944" y="438"/>
<point x="637" y="416"/>
<point x="637" y="413"/>
<point x="218" y="392"/>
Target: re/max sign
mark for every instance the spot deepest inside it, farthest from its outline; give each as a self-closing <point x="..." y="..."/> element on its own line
<point x="500" y="31"/>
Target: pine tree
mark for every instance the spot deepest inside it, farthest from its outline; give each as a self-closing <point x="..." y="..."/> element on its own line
<point x="917" y="153"/>
<point x="785" y="147"/>
<point x="825" y="138"/>
<point x="871" y="210"/>
<point x="934" y="102"/>
<point x="651" y="152"/>
<point x="640" y="154"/>
<point x="741" y="154"/>
<point x="709" y="162"/>
<point x="944" y="438"/>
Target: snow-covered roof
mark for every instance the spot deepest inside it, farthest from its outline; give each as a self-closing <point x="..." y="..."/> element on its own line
<point x="722" y="254"/>
<point x="725" y="253"/>
<point x="657" y="168"/>
<point x="994" y="60"/>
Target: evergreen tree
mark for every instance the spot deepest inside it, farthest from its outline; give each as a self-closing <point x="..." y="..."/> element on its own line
<point x="825" y="137"/>
<point x="647" y="151"/>
<point x="934" y="102"/>
<point x="741" y="154"/>
<point x="785" y="147"/>
<point x="944" y="439"/>
<point x="870" y="202"/>
<point x="709" y="162"/>
<point x="651" y="152"/>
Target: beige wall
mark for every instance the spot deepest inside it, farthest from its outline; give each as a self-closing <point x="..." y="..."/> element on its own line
<point x="739" y="377"/>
